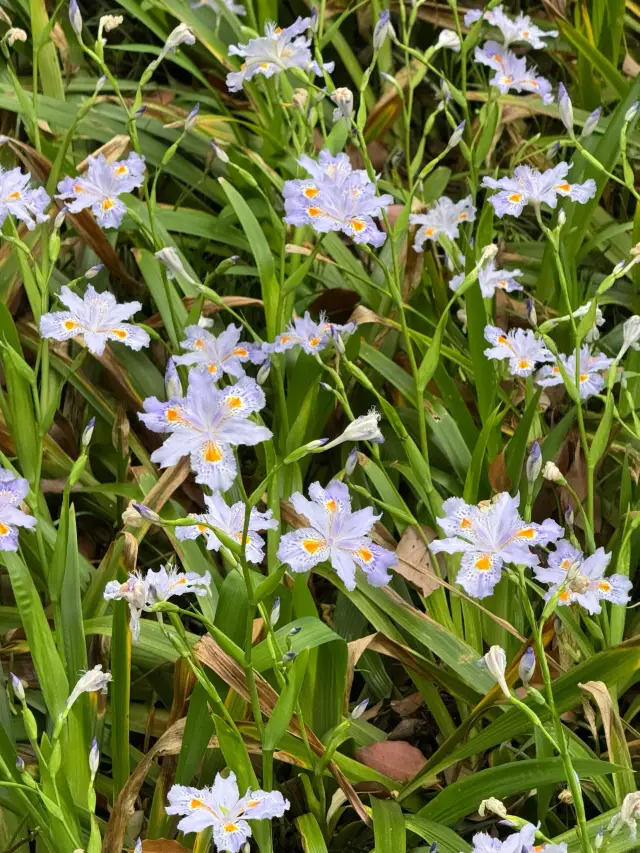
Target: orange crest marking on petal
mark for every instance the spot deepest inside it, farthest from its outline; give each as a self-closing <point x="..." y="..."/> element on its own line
<point x="14" y="196"/>
<point x="605" y="586"/>
<point x="311" y="192"/>
<point x="314" y="341"/>
<point x="120" y="333"/>
<point x="108" y="203"/>
<point x="121" y="170"/>
<point x="3" y="529"/>
<point x="515" y="197"/>
<point x="241" y="352"/>
<point x="430" y="232"/>
<point x="483" y="563"/>
<point x="70" y="324"/>
<point x="358" y="225"/>
<point x="565" y="188"/>
<point x="312" y="545"/>
<point x="526" y="533"/>
<point x="230" y="827"/>
<point x="565" y="596"/>
<point x="524" y="364"/>
<point x="201" y="527"/>
<point x="584" y="377"/>
<point x="365" y="555"/>
<point x="234" y="402"/>
<point x="212" y="452"/>
<point x="331" y="505"/>
<point x="253" y="803"/>
<point x="466" y="524"/>
<point x="77" y="189"/>
<point x="314" y="211"/>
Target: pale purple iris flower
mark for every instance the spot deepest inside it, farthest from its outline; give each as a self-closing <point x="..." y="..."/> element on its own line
<point x="142" y="593"/>
<point x="95" y="316"/>
<point x="275" y="51"/>
<point x="512" y="72"/>
<point x="581" y="579"/>
<point x="13" y="490"/>
<point x="520" y="346"/>
<point x="491" y="279"/>
<point x="306" y="333"/>
<point x="488" y="536"/>
<point x="335" y="534"/>
<point x="590" y="378"/>
<point x="18" y="199"/>
<point x="523" y="841"/>
<point x="445" y="217"/>
<point x="224" y="353"/>
<point x="230" y="520"/>
<point x="513" y="30"/>
<point x="336" y="198"/>
<point x="205" y="425"/>
<point x="222" y="808"/>
<point x="528" y="186"/>
<point x="100" y="187"/>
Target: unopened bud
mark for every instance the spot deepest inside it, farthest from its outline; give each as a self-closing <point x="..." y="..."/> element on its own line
<point x="140" y="111"/>
<point x="591" y="123"/>
<point x="287" y="657"/>
<point x="527" y="666"/>
<point x="598" y="840"/>
<point x="531" y="313"/>
<point x="88" y="432"/>
<point x="75" y="18"/>
<point x="18" y="687"/>
<point x="275" y="612"/>
<point x="295" y="631"/>
<point x="94" y="758"/>
<point x="147" y="513"/>
<point x="360" y="708"/>
<point x="456" y="136"/>
<point x="325" y="386"/>
<point x="172" y="383"/>
<point x="263" y="371"/>
<point x="534" y="462"/>
<point x="19" y="764"/>
<point x="569" y="515"/>
<point x="631" y="112"/>
<point x="562" y="218"/>
<point x="92" y="272"/>
<point x="352" y="462"/>
<point x="192" y="118"/>
<point x="220" y="153"/>
<point x="100" y="84"/>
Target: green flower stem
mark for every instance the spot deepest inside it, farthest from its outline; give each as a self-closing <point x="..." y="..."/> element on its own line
<point x="562" y="747"/>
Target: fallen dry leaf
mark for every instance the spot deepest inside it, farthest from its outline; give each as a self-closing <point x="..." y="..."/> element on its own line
<point x="415" y="562"/>
<point x="163" y="845"/>
<point x="396" y="759"/>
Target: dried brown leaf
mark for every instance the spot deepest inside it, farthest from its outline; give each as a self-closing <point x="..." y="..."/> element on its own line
<point x="397" y="759"/>
<point x="415" y="561"/>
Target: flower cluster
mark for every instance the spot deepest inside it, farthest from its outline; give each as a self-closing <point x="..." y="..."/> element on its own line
<point x="230" y="520"/>
<point x="142" y="593"/>
<point x="519" y="29"/>
<point x="18" y="199"/>
<point x="445" y="217"/>
<point x="528" y="186"/>
<point x="581" y="579"/>
<point x="13" y="490"/>
<point x="335" y="198"/>
<point x="521" y="347"/>
<point x="275" y="51"/>
<point x="101" y="186"/>
<point x="488" y="536"/>
<point x="97" y="317"/>
<point x="311" y="336"/>
<point x="590" y="376"/>
<point x="336" y="534"/>
<point x="205" y="425"/>
<point x="217" y="355"/>
<point x="222" y="808"/>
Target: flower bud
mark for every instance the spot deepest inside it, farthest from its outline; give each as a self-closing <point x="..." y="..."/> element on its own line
<point x="274" y="617"/>
<point x="325" y="386"/>
<point x="534" y="462"/>
<point x="18" y="687"/>
<point x="182" y="34"/>
<point x="172" y="383"/>
<point x="591" y="123"/>
<point x="456" y="136"/>
<point x="313" y="26"/>
<point x="352" y="462"/>
<point x="92" y="272"/>
<point x="448" y="39"/>
<point x="192" y="118"/>
<point x="295" y="631"/>
<point x="527" y="666"/>
<point x="562" y="218"/>
<point x="287" y="657"/>
<point x="552" y="473"/>
<point x="553" y="151"/>
<point x="597" y="842"/>
<point x="343" y="99"/>
<point x="147" y="513"/>
<point x="569" y="515"/>
<point x="631" y="112"/>
<point x="531" y="313"/>
<point x="140" y="111"/>
<point x="263" y="371"/>
<point x="495" y="661"/>
<point x="565" y="107"/>
<point x="75" y="18"/>
<point x="58" y="221"/>
<point x="94" y="758"/>
<point x="383" y="30"/>
<point x="172" y="263"/>
<point x="630" y="334"/>
<point x="360" y="708"/>
<point x="88" y="432"/>
<point x="220" y="153"/>
<point x="100" y="84"/>
<point x="20" y="764"/>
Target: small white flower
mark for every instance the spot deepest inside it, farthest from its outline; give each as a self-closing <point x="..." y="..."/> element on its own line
<point x="181" y="35"/>
<point x="174" y="266"/>
<point x="495" y="661"/>
<point x="552" y="472"/>
<point x="628" y="815"/>
<point x="15" y="34"/>
<point x="364" y="428"/>
<point x="343" y="99"/>
<point x="449" y="39"/>
<point x="492" y="806"/>
<point x="630" y="335"/>
<point x="110" y="22"/>
<point x="92" y="681"/>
